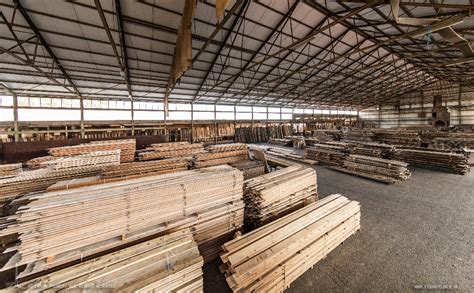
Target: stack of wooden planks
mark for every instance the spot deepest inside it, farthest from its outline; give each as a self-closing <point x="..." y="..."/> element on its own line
<point x="271" y="258"/>
<point x="361" y="135"/>
<point x="261" y="134"/>
<point x="54" y="228"/>
<point x="383" y="170"/>
<point x="327" y="153"/>
<point x="93" y="159"/>
<point x="170" y="150"/>
<point x="170" y="263"/>
<point x="38" y="163"/>
<point x="398" y="137"/>
<point x="273" y="195"/>
<point x="449" y="162"/>
<point x="250" y="169"/>
<point x="371" y="149"/>
<point x="289" y="155"/>
<point x="10" y="170"/>
<point x="221" y="154"/>
<point x="281" y="141"/>
<point x="127" y="149"/>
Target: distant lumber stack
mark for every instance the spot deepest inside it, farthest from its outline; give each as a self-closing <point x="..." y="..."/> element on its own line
<point x="273" y="195"/>
<point x="250" y="169"/>
<point x="10" y="170"/>
<point x="387" y="171"/>
<point x="221" y="154"/>
<point x="55" y="228"/>
<point x="170" y="263"/>
<point x="271" y="258"/>
<point x="330" y="154"/>
<point x="127" y="149"/>
<point x="97" y="159"/>
<point x="449" y="162"/>
<point x="170" y="150"/>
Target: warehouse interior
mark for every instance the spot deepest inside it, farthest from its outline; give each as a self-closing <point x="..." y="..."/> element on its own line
<point x="236" y="145"/>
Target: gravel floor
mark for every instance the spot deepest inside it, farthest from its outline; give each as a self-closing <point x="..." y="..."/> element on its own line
<point x="415" y="236"/>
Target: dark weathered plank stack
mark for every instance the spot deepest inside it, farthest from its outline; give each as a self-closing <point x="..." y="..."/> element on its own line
<point x="93" y="159"/>
<point x="327" y="153"/>
<point x="281" y="141"/>
<point x="10" y="170"/>
<point x="55" y="228"/>
<point x="261" y="134"/>
<point x="372" y="149"/>
<point x="127" y="149"/>
<point x="273" y="195"/>
<point x="170" y="263"/>
<point x="38" y="163"/>
<point x="383" y="170"/>
<point x="358" y="135"/>
<point x="398" y="137"/>
<point x="271" y="258"/>
<point x="449" y="162"/>
<point x="250" y="169"/>
<point x="170" y="150"/>
<point x="221" y="154"/>
<point x="289" y="155"/>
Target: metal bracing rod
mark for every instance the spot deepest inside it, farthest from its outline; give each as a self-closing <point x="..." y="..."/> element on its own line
<point x="282" y="23"/>
<point x="419" y="4"/>
<point x="216" y="55"/>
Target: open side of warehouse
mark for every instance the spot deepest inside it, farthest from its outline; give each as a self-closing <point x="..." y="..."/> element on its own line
<point x="236" y="145"/>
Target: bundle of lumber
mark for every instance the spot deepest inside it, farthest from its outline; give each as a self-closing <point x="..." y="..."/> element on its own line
<point x="127" y="149"/>
<point x="371" y="149"/>
<point x="261" y="134"/>
<point x="10" y="170"/>
<point x="448" y="140"/>
<point x="170" y="150"/>
<point x="170" y="263"/>
<point x="271" y="258"/>
<point x="398" y="137"/>
<point x="57" y="227"/>
<point x="449" y="162"/>
<point x="273" y="195"/>
<point x="221" y="154"/>
<point x="326" y="153"/>
<point x="92" y="159"/>
<point x="38" y="163"/>
<point x="358" y="135"/>
<point x="39" y="180"/>
<point x="383" y="170"/>
<point x="250" y="169"/>
<point x="281" y="141"/>
<point x="289" y="155"/>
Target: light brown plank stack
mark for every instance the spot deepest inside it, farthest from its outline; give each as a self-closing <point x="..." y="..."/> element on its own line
<point x="327" y="153"/>
<point x="55" y="228"/>
<point x="281" y="141"/>
<point x="10" y="170"/>
<point x="170" y="263"/>
<point x="93" y="159"/>
<point x="386" y="171"/>
<point x="250" y="169"/>
<point x="221" y="154"/>
<point x="449" y="162"/>
<point x="289" y="155"/>
<point x="273" y="195"/>
<point x="127" y="149"/>
<point x="38" y="163"/>
<point x="270" y="258"/>
<point x="170" y="150"/>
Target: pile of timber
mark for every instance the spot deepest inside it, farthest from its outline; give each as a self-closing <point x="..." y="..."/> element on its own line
<point x="371" y="149"/>
<point x="358" y="135"/>
<point x="450" y="162"/>
<point x="261" y="134"/>
<point x="281" y="141"/>
<point x="273" y="195"/>
<point x="170" y="150"/>
<point x="448" y="140"/>
<point x="271" y="258"/>
<point x="38" y="163"/>
<point x="221" y="154"/>
<point x="298" y="141"/>
<point x="170" y="263"/>
<point x="10" y="170"/>
<point x="331" y="154"/>
<point x="250" y="169"/>
<point x="398" y="137"/>
<point x="383" y="170"/>
<point x="93" y="159"/>
<point x="127" y="149"/>
<point x="289" y="155"/>
<point x="54" y="228"/>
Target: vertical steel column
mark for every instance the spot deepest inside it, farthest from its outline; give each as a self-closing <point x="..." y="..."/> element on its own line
<point x="192" y="122"/>
<point x="132" y="109"/>
<point x="81" y="105"/>
<point x="215" y="125"/>
<point x="16" y="134"/>
<point x="459" y="105"/>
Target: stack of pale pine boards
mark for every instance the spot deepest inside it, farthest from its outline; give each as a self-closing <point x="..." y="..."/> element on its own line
<point x="150" y="226"/>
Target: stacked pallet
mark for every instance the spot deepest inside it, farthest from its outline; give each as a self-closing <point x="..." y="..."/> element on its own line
<point x="58" y="227"/>
<point x="250" y="169"/>
<point x="387" y="171"/>
<point x="449" y="162"/>
<point x="271" y="258"/>
<point x="93" y="159"/>
<point x="273" y="195"/>
<point x="221" y="154"/>
<point x="10" y="170"/>
<point x="170" y="150"/>
<point x="170" y="263"/>
<point x="327" y="153"/>
<point x="127" y="149"/>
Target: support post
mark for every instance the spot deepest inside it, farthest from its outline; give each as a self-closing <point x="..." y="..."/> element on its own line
<point x="192" y="122"/>
<point x="133" y="116"/>
<point x="81" y="105"/>
<point x="215" y="125"/>
<point x="460" y="106"/>
<point x="16" y="133"/>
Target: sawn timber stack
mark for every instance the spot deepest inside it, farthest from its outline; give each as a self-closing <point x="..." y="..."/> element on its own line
<point x="273" y="195"/>
<point x="221" y="154"/>
<point x="170" y="150"/>
<point x="58" y="227"/>
<point x="165" y="264"/>
<point x="270" y="258"/>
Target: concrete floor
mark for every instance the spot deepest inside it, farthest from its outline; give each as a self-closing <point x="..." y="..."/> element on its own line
<point x="414" y="234"/>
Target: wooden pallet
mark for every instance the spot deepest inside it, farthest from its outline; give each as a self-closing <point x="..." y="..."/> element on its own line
<point x="270" y="258"/>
